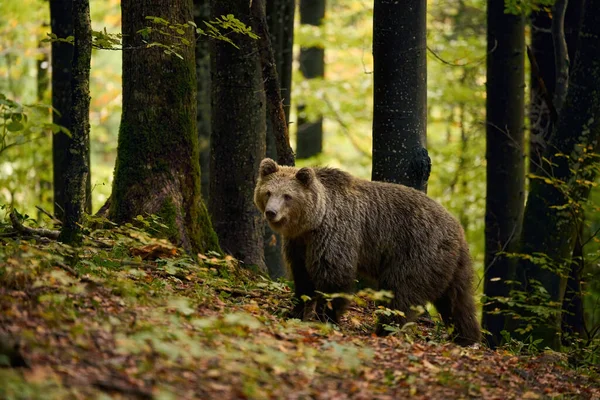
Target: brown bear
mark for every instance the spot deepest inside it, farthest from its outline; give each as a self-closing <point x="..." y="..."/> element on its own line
<point x="336" y="226"/>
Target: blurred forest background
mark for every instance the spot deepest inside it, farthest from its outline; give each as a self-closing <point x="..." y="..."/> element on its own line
<point x="344" y="98"/>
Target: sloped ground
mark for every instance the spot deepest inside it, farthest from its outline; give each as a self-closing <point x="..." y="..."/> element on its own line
<point x="129" y="317"/>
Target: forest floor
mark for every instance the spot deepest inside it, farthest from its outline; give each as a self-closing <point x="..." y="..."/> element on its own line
<point x="128" y="316"/>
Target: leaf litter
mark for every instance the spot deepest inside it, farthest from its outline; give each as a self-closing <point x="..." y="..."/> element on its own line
<point x="140" y="319"/>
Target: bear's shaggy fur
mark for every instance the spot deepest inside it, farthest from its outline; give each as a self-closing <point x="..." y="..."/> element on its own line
<point x="335" y="226"/>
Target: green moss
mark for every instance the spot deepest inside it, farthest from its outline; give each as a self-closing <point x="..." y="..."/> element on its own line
<point x="168" y="215"/>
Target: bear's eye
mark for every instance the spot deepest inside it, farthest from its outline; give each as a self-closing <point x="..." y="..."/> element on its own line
<point x="268" y="193"/>
<point x="287" y="197"/>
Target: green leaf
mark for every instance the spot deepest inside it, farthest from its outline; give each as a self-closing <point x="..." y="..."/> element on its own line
<point x="14" y="126"/>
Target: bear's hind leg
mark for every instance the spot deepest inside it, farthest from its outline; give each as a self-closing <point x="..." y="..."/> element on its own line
<point x="457" y="308"/>
<point x="401" y="302"/>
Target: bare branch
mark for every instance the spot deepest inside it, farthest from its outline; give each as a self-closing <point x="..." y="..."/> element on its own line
<point x="18" y="226"/>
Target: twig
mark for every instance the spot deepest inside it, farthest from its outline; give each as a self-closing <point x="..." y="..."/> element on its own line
<point x="18" y="226"/>
<point x="345" y="128"/>
<point x="68" y="269"/>
<point x="52" y="217"/>
<point x="128" y="390"/>
<point x="476" y="62"/>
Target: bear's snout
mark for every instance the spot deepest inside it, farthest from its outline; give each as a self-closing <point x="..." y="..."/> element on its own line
<point x="271" y="214"/>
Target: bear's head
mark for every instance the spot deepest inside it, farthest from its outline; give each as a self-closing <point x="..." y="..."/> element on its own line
<point x="291" y="199"/>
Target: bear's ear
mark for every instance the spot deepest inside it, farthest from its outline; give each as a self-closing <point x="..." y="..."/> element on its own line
<point x="267" y="167"/>
<point x="305" y="175"/>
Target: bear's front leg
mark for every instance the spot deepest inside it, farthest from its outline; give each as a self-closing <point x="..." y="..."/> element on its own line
<point x="331" y="278"/>
<point x="295" y="255"/>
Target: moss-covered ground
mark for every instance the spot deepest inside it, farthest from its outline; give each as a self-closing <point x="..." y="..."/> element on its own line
<point x="129" y="316"/>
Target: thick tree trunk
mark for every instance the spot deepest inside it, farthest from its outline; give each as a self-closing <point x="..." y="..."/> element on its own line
<point x="77" y="159"/>
<point x="201" y="14"/>
<point x="157" y="169"/>
<point x="546" y="229"/>
<point x="504" y="154"/>
<point x="400" y="98"/>
<point x="61" y="17"/>
<point x="238" y="139"/>
<point x="280" y="19"/>
<point x="309" y="140"/>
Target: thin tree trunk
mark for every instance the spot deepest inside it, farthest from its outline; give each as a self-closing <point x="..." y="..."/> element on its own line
<point x="280" y="18"/>
<point x="542" y="107"/>
<point x="77" y="160"/>
<point x="275" y="109"/>
<point x="157" y="169"/>
<point x="238" y="139"/>
<point x="61" y="14"/>
<point x="504" y="154"/>
<point x="309" y="139"/>
<point x="44" y="186"/>
<point x="201" y="14"/>
<point x="546" y="229"/>
<point x="400" y="93"/>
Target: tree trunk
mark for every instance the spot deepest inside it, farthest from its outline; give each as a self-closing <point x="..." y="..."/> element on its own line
<point x="44" y="185"/>
<point x="309" y="139"/>
<point x="280" y="18"/>
<point x="400" y="93"/>
<point x="546" y="229"/>
<point x="157" y="169"/>
<point x="542" y="48"/>
<point x="77" y="159"/>
<point x="201" y="14"/>
<point x="61" y="17"/>
<point x="238" y="139"/>
<point x="504" y="154"/>
<point x="275" y="109"/>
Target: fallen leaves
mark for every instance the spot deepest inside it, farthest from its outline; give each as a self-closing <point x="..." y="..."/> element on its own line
<point x="144" y="321"/>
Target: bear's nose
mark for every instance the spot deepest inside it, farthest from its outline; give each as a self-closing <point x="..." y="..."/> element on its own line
<point x="270" y="214"/>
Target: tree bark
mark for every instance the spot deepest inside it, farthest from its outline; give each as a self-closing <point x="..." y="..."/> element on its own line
<point x="157" y="169"/>
<point x="238" y="139"/>
<point x="275" y="109"/>
<point x="61" y="17"/>
<point x="280" y="19"/>
<point x="77" y="158"/>
<point x="400" y="93"/>
<point x="541" y="119"/>
<point x="309" y="139"/>
<point x="201" y="14"/>
<point x="546" y="229"/>
<point x="504" y="154"/>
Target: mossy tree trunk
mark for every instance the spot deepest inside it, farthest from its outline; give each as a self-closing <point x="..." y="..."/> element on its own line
<point x="546" y="228"/>
<point x="77" y="164"/>
<point x="400" y="93"/>
<point x="157" y="169"/>
<point x="505" y="155"/>
<point x="280" y="18"/>
<point x="61" y="24"/>
<point x="238" y="139"/>
<point x="309" y="139"/>
<point x="201" y="14"/>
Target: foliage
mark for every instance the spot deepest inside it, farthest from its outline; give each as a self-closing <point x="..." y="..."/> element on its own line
<point x="525" y="7"/>
<point x="131" y="315"/>
<point x="169" y="36"/>
<point x="533" y="304"/>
